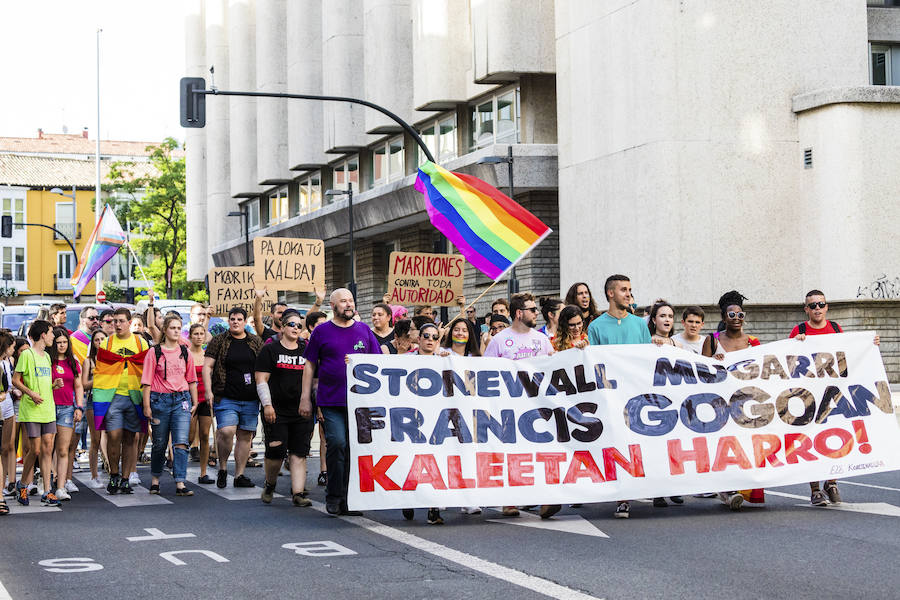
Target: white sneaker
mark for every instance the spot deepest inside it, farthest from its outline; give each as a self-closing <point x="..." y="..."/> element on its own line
<point x="134" y="479"/>
<point x="470" y="510"/>
<point x="71" y="487"/>
<point x="62" y="494"/>
<point x="32" y="489"/>
<point x="96" y="484"/>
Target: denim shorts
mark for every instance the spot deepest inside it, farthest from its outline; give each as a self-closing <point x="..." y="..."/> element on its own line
<point x="88" y="402"/>
<point x="122" y="414"/>
<point x="234" y="412"/>
<point x="65" y="417"/>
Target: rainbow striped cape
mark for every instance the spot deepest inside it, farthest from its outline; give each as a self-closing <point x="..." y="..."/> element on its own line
<point x="80" y="342"/>
<point x="107" y="373"/>
<point x="491" y="230"/>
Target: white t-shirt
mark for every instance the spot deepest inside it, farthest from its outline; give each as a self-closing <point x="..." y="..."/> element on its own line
<point x="696" y="347"/>
<point x="509" y="344"/>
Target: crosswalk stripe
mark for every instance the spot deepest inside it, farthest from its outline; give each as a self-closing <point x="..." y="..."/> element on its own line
<point x="229" y="492"/>
<point x="140" y="497"/>
<point x="33" y="507"/>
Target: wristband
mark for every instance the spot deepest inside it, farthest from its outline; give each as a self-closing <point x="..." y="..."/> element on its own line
<point x="265" y="396"/>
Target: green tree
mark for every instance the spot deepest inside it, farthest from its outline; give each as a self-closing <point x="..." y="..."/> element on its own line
<point x="155" y="199"/>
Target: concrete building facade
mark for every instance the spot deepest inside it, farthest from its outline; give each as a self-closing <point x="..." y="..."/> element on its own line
<point x="696" y="146"/>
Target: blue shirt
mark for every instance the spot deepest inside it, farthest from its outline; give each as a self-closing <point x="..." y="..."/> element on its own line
<point x="607" y="329"/>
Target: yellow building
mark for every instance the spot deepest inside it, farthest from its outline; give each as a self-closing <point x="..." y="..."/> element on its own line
<point x="37" y="261"/>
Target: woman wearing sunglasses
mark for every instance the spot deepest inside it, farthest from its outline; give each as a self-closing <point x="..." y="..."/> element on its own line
<point x="717" y="345"/>
<point x="733" y="337"/>
<point x="429" y="334"/>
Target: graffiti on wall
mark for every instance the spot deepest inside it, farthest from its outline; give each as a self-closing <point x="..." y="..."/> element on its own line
<point x="881" y="288"/>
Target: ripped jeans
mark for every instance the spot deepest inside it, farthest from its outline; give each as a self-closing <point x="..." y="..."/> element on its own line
<point x="171" y="413"/>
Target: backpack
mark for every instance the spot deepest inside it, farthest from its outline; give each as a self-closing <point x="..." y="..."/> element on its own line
<point x="157" y="350"/>
<point x="801" y="328"/>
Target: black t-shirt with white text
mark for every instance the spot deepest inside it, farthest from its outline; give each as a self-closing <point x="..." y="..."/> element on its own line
<point x="285" y="368"/>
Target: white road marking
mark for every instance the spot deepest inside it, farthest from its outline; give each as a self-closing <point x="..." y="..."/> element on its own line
<point x="4" y="595"/>
<point x="34" y="507"/>
<point x="173" y="558"/>
<point x="140" y="497"/>
<point x="869" y="485"/>
<point x="229" y="492"/>
<point x="563" y="523"/>
<point x="156" y="534"/>
<point x="870" y="508"/>
<point x="486" y="567"/>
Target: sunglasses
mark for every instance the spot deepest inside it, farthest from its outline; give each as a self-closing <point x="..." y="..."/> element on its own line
<point x="815" y="305"/>
<point x="533" y="309"/>
<point x="574" y="325"/>
<point x="94" y="318"/>
<point x="739" y="315"/>
<point x="293" y="324"/>
<point x="429" y="336"/>
<point x="107" y="321"/>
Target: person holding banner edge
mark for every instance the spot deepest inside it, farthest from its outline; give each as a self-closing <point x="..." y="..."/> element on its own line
<point x="329" y="345"/>
<point x="816" y="308"/>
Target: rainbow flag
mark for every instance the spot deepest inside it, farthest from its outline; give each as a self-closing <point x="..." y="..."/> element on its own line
<point x="107" y="373"/>
<point x="491" y="230"/>
<point x="105" y="241"/>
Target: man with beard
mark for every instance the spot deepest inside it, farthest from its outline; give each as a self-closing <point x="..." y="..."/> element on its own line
<point x="520" y="340"/>
<point x="329" y="345"/>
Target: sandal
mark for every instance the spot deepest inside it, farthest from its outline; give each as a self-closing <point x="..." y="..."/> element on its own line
<point x="154" y="488"/>
<point x="183" y="491"/>
<point x="4" y="508"/>
<point x="252" y="463"/>
<point x="211" y="462"/>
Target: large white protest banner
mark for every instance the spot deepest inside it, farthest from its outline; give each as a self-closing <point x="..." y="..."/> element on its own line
<point x="615" y="422"/>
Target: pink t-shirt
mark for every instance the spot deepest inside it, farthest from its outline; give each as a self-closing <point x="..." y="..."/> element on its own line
<point x="64" y="396"/>
<point x="509" y="344"/>
<point x="170" y="374"/>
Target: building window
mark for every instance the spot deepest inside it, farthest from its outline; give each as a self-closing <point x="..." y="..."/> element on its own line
<point x="495" y="120"/>
<point x="252" y="208"/>
<point x="884" y="64"/>
<point x="16" y="208"/>
<point x="344" y="173"/>
<point x="440" y="137"/>
<point x="278" y="206"/>
<point x="310" y="194"/>
<point x="14" y="264"/>
<point x="388" y="161"/>
<point x="65" y="266"/>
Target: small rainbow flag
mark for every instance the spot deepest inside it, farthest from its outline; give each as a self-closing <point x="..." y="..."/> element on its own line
<point x="107" y="373"/>
<point x="105" y="241"/>
<point x="490" y="229"/>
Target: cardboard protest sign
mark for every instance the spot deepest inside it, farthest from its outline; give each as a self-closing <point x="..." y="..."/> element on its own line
<point x="233" y="286"/>
<point x="613" y="422"/>
<point x="427" y="279"/>
<point x="289" y="264"/>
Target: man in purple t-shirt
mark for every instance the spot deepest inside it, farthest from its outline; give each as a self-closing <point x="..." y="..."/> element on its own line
<point x="328" y="347"/>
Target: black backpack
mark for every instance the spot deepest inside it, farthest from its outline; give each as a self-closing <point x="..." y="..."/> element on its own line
<point x="801" y="328"/>
<point x="157" y="349"/>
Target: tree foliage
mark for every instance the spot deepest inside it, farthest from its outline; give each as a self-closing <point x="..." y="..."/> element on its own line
<point x="156" y="202"/>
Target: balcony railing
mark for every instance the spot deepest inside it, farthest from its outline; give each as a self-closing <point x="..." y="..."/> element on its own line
<point x="67" y="229"/>
<point x="61" y="284"/>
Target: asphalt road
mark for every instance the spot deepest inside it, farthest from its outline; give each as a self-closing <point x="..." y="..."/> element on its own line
<point x="786" y="549"/>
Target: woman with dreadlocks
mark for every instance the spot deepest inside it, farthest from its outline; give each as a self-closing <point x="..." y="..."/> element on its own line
<point x="717" y="345"/>
<point x="732" y="338"/>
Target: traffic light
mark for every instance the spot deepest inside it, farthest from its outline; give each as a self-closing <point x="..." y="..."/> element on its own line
<point x="6" y="226"/>
<point x="193" y="106"/>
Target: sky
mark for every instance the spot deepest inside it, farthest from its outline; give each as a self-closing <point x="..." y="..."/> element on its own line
<point x="48" y="67"/>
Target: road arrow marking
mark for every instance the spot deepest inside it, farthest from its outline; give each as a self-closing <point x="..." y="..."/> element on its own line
<point x="870" y="508"/>
<point x="564" y="523"/>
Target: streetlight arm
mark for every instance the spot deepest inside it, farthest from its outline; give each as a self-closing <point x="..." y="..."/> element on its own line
<point x="58" y="232"/>
<point x="406" y="126"/>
